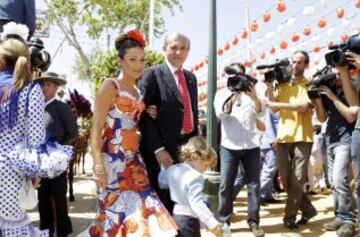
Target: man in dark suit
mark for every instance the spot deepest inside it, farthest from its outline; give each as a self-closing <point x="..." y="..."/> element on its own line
<point x="174" y="92"/>
<point x="61" y="127"/>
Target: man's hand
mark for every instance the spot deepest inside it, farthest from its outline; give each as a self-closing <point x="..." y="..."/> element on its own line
<point x="271" y="105"/>
<point x="164" y="159"/>
<point x="326" y="91"/>
<point x="353" y="58"/>
<point x="217" y="231"/>
<point x="36" y="182"/>
<point x="252" y="93"/>
<point x="151" y="110"/>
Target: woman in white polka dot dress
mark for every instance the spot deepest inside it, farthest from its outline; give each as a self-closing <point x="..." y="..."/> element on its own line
<point x="21" y="116"/>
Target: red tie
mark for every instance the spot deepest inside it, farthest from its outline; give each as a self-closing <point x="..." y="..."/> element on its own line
<point x="185" y="98"/>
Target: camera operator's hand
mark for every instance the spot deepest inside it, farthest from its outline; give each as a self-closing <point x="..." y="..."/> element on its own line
<point x="326" y="91"/>
<point x="353" y="58"/>
<point x="252" y="93"/>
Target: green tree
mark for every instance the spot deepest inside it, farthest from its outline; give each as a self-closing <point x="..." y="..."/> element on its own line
<point x="99" y="16"/>
<point x="107" y="65"/>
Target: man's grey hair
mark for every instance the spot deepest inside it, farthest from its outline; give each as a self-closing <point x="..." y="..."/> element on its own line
<point x="175" y="35"/>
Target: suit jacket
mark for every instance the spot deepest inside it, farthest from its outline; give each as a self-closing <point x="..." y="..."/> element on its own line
<point x="159" y="88"/>
<point x="60" y="122"/>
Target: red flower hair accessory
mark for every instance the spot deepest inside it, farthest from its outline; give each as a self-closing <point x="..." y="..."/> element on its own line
<point x="136" y="35"/>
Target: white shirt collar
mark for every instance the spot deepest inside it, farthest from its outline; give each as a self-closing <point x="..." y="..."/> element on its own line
<point x="171" y="67"/>
<point x="50" y="101"/>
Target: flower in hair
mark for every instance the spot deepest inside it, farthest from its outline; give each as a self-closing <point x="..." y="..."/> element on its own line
<point x="136" y="35"/>
<point x="14" y="30"/>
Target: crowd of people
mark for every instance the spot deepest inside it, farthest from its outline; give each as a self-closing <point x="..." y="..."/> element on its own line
<point x="151" y="185"/>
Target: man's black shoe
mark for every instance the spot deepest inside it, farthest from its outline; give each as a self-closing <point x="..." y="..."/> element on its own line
<point x="291" y="225"/>
<point x="305" y="219"/>
<point x="271" y="201"/>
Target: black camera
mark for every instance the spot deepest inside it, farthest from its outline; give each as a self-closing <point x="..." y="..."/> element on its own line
<point x="337" y="57"/>
<point x="39" y="57"/>
<point x="281" y="71"/>
<point x="324" y="77"/>
<point x="238" y="81"/>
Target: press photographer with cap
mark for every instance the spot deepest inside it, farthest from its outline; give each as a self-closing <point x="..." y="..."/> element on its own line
<point x="61" y="127"/>
<point x="237" y="107"/>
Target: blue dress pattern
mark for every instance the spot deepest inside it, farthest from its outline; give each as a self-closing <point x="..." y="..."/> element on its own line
<point x="14" y="222"/>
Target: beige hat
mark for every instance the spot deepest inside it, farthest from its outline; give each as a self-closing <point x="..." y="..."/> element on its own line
<point x="51" y="76"/>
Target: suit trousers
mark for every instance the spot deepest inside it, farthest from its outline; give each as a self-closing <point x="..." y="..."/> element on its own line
<point x="54" y="189"/>
<point x="293" y="160"/>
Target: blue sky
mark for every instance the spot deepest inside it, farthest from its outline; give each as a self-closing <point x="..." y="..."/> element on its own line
<point x="193" y="21"/>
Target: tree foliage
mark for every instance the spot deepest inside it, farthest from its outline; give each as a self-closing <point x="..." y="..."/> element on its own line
<point x="107" y="65"/>
<point x="99" y="16"/>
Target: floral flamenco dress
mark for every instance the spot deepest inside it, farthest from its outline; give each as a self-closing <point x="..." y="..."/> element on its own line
<point x="129" y="206"/>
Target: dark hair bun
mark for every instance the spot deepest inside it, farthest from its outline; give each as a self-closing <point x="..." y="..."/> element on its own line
<point x="120" y="40"/>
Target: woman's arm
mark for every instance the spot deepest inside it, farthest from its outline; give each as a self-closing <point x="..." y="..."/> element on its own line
<point x="105" y="97"/>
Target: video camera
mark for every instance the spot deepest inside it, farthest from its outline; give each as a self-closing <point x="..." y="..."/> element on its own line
<point x="238" y="81"/>
<point x="39" y="57"/>
<point x="282" y="71"/>
<point x="337" y="57"/>
<point x="324" y="77"/>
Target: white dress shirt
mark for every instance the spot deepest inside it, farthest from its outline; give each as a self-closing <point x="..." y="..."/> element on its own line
<point x="238" y="129"/>
<point x="186" y="190"/>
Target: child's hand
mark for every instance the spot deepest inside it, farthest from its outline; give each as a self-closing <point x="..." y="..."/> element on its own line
<point x="217" y="231"/>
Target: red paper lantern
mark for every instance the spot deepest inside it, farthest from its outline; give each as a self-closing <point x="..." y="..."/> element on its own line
<point x="295" y="37"/>
<point x="244" y="33"/>
<point x="206" y="60"/>
<point x="280" y="6"/>
<point x="321" y="22"/>
<point x="316" y="49"/>
<point x="235" y="41"/>
<point x="283" y="44"/>
<point x="201" y="64"/>
<point x="254" y="26"/>
<point x="307" y="30"/>
<point x="357" y="3"/>
<point x="262" y="55"/>
<point x="227" y="46"/>
<point x="196" y="67"/>
<point x="266" y="17"/>
<point x="340" y="12"/>
<point x="272" y="50"/>
<point x="220" y="52"/>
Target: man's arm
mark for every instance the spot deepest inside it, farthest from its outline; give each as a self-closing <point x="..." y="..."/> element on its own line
<point x="68" y="119"/>
<point x="348" y="88"/>
<point x="321" y="114"/>
<point x="349" y="113"/>
<point x="299" y="107"/>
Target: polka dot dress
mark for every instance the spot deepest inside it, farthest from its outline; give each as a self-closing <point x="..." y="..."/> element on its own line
<point x="14" y="221"/>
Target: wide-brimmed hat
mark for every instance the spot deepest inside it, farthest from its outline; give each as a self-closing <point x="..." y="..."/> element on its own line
<point x="51" y="76"/>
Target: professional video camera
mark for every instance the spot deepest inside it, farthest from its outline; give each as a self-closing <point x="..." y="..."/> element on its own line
<point x="282" y="71"/>
<point x="238" y="81"/>
<point x="337" y="57"/>
<point x="324" y="77"/>
<point x="40" y="58"/>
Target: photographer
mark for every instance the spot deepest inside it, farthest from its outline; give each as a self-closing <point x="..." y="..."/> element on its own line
<point x="338" y="143"/>
<point x="294" y="139"/>
<point x="351" y="113"/>
<point x="237" y="107"/>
